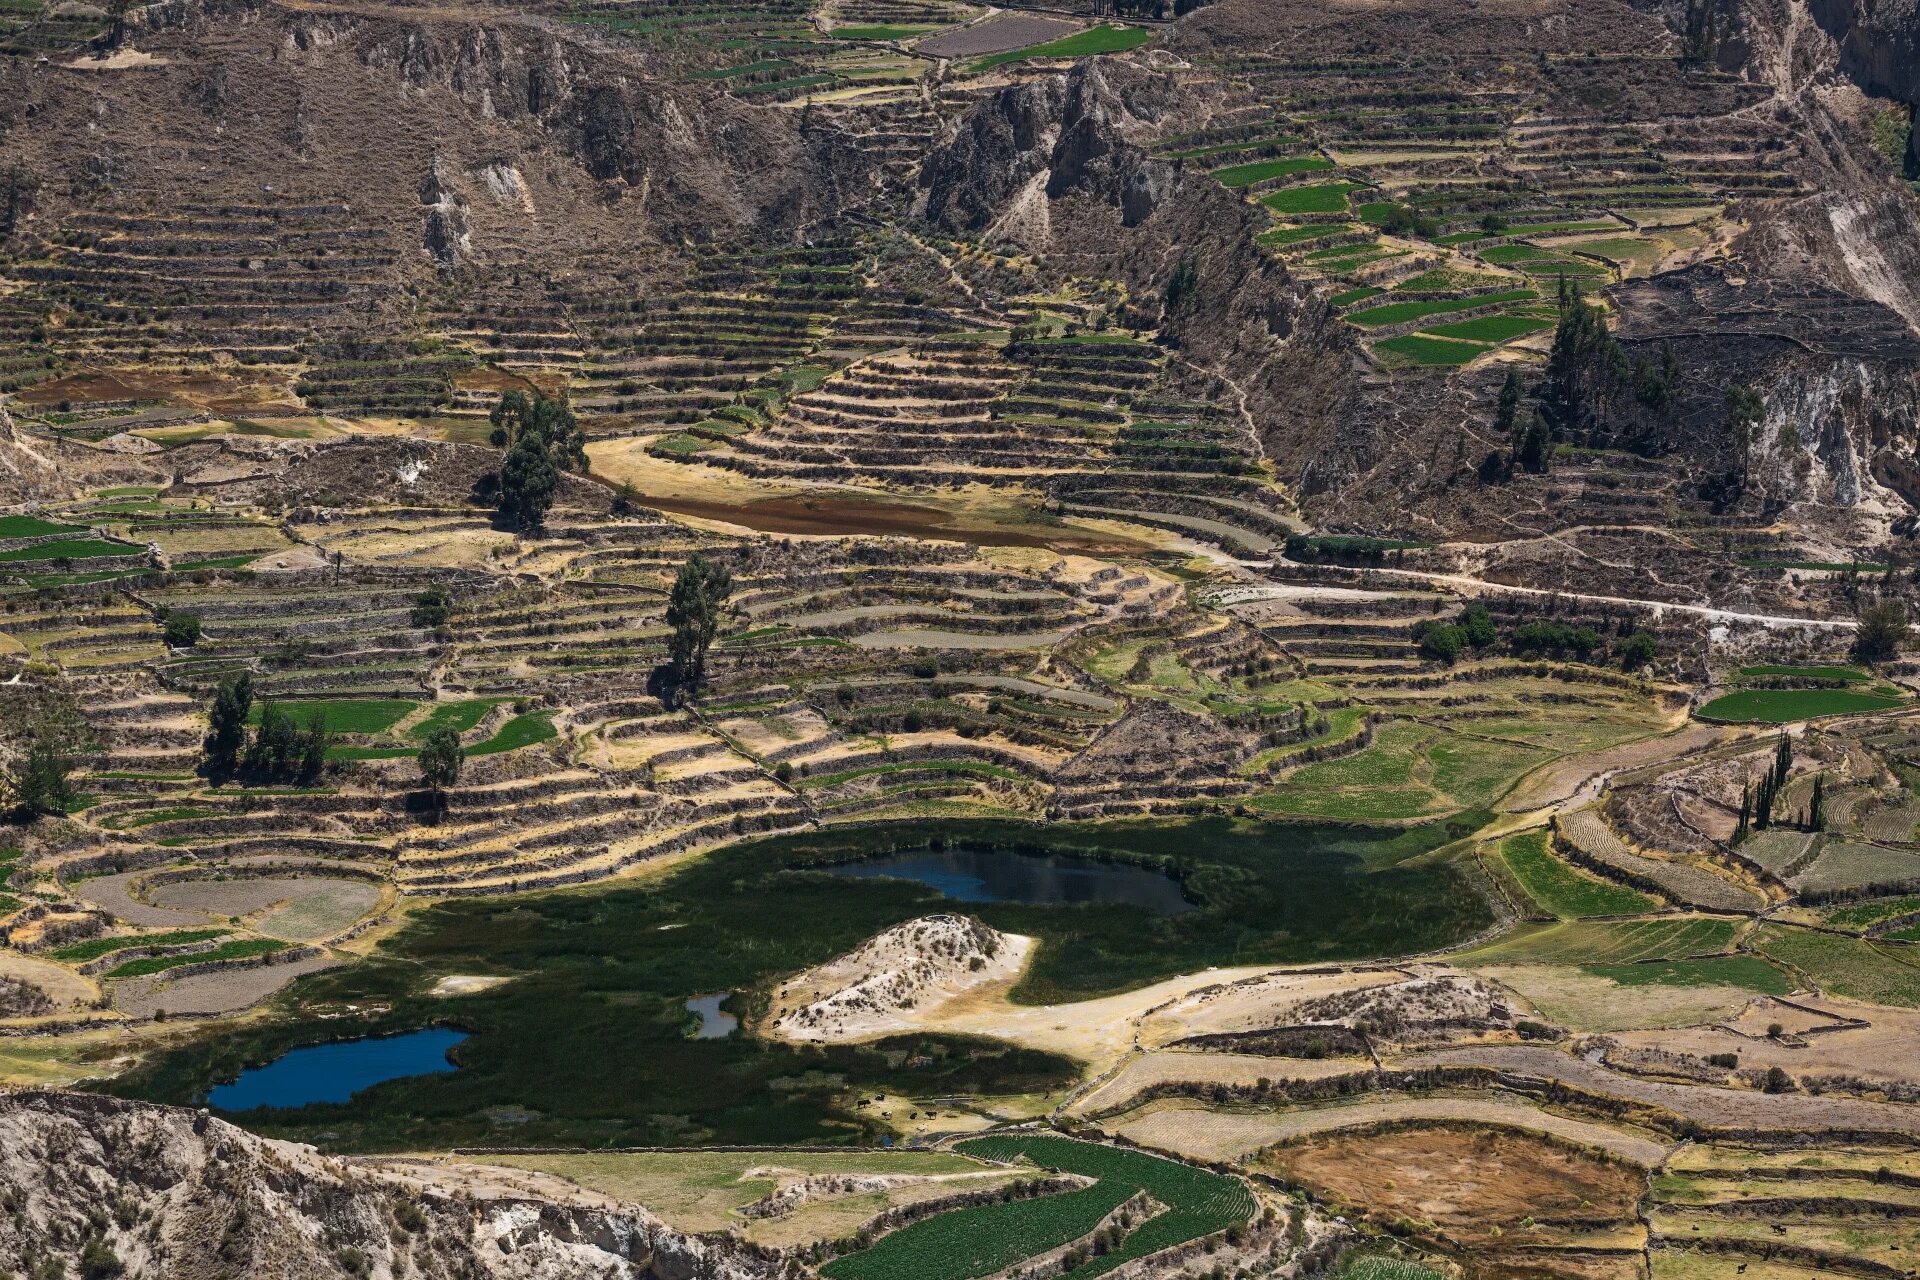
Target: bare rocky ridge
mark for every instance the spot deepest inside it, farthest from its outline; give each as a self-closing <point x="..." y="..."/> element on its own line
<point x="169" y="1193"/>
<point x="909" y="968"/>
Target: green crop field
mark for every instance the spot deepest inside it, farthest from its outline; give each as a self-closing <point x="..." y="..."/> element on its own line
<point x="1401" y="312"/>
<point x="1601" y="943"/>
<point x="344" y="715"/>
<point x="1325" y="197"/>
<point x="73" y="549"/>
<point x="33" y="527"/>
<point x="1416" y="349"/>
<point x="978" y="1242"/>
<point x="522" y="731"/>
<point x="1783" y="706"/>
<point x="1564" y="890"/>
<point x="1491" y="328"/>
<point x="1101" y="39"/>
<point x="1360" y="294"/>
<point x="94" y="948"/>
<point x="1245" y="175"/>
<point x="1845" y="966"/>
<point x="1749" y="972"/>
<point x="975" y="1242"/>
<point x="1862" y="915"/>
<point x="239" y="949"/>
<point x="457" y="716"/>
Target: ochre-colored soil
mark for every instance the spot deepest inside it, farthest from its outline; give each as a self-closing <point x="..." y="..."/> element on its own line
<point x="1477" y="1186"/>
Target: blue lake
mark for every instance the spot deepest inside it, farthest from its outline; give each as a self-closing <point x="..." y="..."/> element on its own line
<point x="335" y="1072"/>
<point x="978" y="873"/>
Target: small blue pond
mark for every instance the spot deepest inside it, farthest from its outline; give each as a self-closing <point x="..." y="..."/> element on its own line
<point x="335" y="1072"/>
<point x="714" y="1024"/>
<point x="978" y="873"/>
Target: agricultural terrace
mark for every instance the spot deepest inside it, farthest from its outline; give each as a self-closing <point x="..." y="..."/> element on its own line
<point x="974" y="1242"/>
<point x="1434" y="260"/>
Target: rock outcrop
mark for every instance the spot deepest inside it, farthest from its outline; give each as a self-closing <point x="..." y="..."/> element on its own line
<point x="879" y="987"/>
<point x="101" y="1186"/>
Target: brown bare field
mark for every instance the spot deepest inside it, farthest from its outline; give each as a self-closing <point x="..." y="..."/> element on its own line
<point x="1480" y="1187"/>
<point x="1560" y="781"/>
<point x="997" y="35"/>
<point x="1880" y="1052"/>
<point x="222" y="991"/>
<point x="219" y="391"/>
<point x="1733" y="1108"/>
<point x="1207" y="1068"/>
<point x="1204" y="1133"/>
<point x="1589" y="1002"/>
<point x="63" y="986"/>
<point x="304" y="907"/>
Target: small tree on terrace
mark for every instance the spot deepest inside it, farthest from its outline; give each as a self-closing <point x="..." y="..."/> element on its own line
<point x="441" y="759"/>
<point x="1883" y="630"/>
<point x="693" y="611"/>
<point x="38" y="778"/>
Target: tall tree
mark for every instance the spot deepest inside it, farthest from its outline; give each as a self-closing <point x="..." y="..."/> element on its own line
<point x="441" y="759"/>
<point x="550" y="421"/>
<point x="693" y="611"/>
<point x="528" y="482"/>
<point x="1506" y="416"/>
<point x="227" y="720"/>
<point x="313" y="748"/>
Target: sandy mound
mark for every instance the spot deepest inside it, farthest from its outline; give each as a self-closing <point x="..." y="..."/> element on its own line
<point x="894" y="979"/>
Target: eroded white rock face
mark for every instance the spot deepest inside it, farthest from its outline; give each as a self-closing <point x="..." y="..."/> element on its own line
<point x="183" y="1195"/>
<point x="891" y="980"/>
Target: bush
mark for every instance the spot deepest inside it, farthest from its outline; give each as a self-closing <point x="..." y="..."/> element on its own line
<point x="1778" y="1081"/>
<point x="432" y="607"/>
<point x="1442" y="641"/>
<point x="1555" y="637"/>
<point x="1637" y="650"/>
<point x="182" y="630"/>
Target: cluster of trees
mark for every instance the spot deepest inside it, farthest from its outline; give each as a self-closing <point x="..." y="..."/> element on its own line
<point x="278" y="749"/>
<point x="1757" y="804"/>
<point x="1403" y="220"/>
<point x="1595" y="388"/>
<point x="1529" y="447"/>
<point x="1474" y="630"/>
<point x="542" y="439"/>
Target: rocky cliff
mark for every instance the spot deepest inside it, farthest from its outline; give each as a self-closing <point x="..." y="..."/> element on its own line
<point x="1879" y="49"/>
<point x="98" y="1186"/>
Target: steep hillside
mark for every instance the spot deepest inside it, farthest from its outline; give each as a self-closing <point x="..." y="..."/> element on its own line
<point x="103" y="1187"/>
